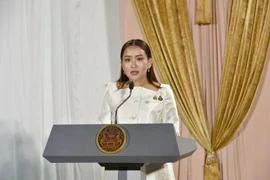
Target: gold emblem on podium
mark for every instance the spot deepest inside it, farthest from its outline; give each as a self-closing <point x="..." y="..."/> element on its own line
<point x="111" y="139"/>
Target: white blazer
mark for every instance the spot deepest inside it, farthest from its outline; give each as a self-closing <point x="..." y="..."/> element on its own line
<point x="144" y="106"/>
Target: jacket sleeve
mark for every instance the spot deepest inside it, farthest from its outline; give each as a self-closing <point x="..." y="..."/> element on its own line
<point x="170" y="113"/>
<point x="105" y="110"/>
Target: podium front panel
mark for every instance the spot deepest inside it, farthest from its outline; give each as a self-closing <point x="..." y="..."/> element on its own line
<point x="152" y="143"/>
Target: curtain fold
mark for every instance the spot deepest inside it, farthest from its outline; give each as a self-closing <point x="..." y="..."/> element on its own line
<point x="245" y="56"/>
<point x="246" y="49"/>
<point x="204" y="12"/>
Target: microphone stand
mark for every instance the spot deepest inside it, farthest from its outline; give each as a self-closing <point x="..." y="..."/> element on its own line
<point x="131" y="86"/>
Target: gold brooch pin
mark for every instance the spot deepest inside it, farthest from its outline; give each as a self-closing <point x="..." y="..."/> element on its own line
<point x="155" y="97"/>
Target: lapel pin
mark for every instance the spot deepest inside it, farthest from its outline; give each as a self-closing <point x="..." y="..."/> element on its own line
<point x="160" y="98"/>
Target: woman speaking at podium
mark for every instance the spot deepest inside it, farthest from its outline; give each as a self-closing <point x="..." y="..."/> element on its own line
<point x="150" y="101"/>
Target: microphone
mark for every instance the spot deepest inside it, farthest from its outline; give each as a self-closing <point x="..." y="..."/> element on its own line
<point x="130" y="86"/>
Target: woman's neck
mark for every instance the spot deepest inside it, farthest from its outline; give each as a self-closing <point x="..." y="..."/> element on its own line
<point x="141" y="83"/>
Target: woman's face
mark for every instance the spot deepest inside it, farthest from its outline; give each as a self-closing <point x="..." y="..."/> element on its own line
<point x="135" y="64"/>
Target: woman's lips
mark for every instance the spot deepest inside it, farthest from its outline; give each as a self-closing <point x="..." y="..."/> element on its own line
<point x="134" y="72"/>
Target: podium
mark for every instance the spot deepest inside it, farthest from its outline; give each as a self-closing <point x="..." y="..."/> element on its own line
<point x="146" y="144"/>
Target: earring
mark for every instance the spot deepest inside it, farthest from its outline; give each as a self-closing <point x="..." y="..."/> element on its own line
<point x="148" y="70"/>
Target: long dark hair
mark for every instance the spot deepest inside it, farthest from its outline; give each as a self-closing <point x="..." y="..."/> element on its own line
<point x="151" y="77"/>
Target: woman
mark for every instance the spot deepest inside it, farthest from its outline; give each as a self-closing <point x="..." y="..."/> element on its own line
<point x="150" y="102"/>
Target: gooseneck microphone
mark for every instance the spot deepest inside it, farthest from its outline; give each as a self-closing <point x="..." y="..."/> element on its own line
<point x="130" y="86"/>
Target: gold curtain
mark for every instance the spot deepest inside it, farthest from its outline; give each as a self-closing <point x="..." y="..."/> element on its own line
<point x="246" y="49"/>
<point x="166" y="28"/>
<point x="204" y="12"/>
<point x="247" y="44"/>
